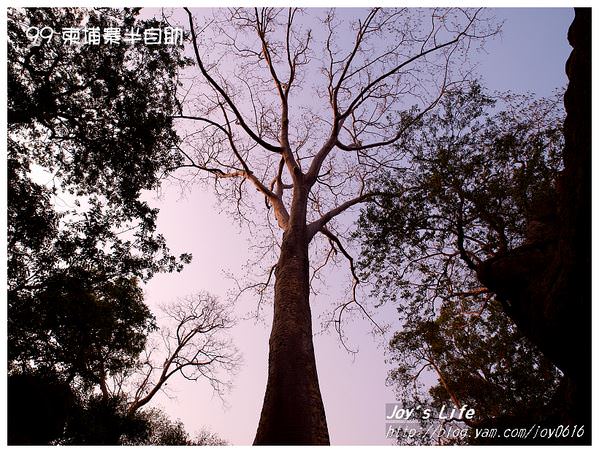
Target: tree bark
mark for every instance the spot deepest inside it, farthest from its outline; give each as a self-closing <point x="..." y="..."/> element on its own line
<point x="293" y="412"/>
<point x="545" y="285"/>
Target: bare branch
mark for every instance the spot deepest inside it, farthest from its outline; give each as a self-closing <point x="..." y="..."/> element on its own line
<point x="363" y="93"/>
<point x="357" y="146"/>
<point x="316" y="226"/>
<point x="356" y="281"/>
<point x="223" y="93"/>
<point x="196" y="350"/>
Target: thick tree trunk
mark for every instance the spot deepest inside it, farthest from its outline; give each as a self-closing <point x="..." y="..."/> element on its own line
<point x="545" y="285"/>
<point x="293" y="412"/>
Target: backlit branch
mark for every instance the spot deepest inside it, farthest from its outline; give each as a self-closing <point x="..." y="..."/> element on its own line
<point x="317" y="225"/>
<point x="223" y="93"/>
<point x="337" y="245"/>
<point x="362" y="83"/>
<point x="368" y="88"/>
<point x="195" y="349"/>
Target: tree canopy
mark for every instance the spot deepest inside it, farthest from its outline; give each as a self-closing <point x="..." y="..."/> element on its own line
<point x="478" y="180"/>
<point x="76" y="115"/>
<point x="478" y="359"/>
<point x="477" y="173"/>
<point x="89" y="129"/>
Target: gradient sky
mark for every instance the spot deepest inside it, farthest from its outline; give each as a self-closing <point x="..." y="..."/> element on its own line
<point x="529" y="56"/>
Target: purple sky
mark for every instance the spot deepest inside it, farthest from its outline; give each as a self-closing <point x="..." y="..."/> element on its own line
<point x="528" y="56"/>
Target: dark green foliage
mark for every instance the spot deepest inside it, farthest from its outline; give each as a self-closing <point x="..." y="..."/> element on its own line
<point x="99" y="115"/>
<point x="38" y="408"/>
<point x="84" y="328"/>
<point x="97" y="120"/>
<point x="100" y="421"/>
<point x="92" y="125"/>
<point x="160" y="430"/>
<point x="97" y="421"/>
<point x="479" y="175"/>
<point x="480" y="360"/>
<point x="476" y="172"/>
<point x="44" y="410"/>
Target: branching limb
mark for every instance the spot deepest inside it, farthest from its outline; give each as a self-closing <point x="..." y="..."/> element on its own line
<point x="260" y="288"/>
<point x="363" y="27"/>
<point x="383" y="89"/>
<point x="337" y="245"/>
<point x="282" y="88"/>
<point x="358" y="146"/>
<point x="223" y="93"/>
<point x="364" y="92"/>
<point x="245" y="171"/>
<point x="277" y="185"/>
<point x="317" y="225"/>
<point x="195" y="350"/>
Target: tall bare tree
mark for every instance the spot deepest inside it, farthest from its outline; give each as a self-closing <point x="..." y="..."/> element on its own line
<point x="303" y="107"/>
